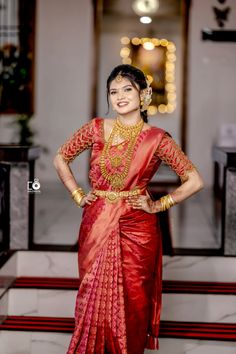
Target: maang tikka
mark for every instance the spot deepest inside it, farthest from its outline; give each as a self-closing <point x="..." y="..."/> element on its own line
<point x="119" y="77"/>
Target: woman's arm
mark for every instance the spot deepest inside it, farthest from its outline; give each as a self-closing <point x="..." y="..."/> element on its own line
<point x="170" y="152"/>
<point x="82" y="139"/>
<point x="64" y="172"/>
<point x="192" y="185"/>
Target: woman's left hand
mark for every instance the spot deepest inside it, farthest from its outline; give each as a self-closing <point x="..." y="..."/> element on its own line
<point x="143" y="202"/>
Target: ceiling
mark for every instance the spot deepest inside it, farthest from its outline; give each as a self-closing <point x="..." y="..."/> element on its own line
<point x="119" y="17"/>
<point x="167" y="8"/>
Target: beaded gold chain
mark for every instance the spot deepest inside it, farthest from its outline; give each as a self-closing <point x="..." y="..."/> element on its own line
<point x="126" y="132"/>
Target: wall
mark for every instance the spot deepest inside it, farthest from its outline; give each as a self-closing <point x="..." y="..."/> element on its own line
<point x="63" y="79"/>
<point x="212" y="77"/>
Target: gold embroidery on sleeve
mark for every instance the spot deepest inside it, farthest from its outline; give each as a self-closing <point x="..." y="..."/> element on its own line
<point x="81" y="140"/>
<point x="59" y="152"/>
<point x="171" y="153"/>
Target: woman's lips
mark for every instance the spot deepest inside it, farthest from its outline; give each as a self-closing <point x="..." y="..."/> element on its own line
<point x="122" y="104"/>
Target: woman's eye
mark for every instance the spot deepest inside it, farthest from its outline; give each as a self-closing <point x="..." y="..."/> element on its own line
<point x="112" y="92"/>
<point x="128" y="89"/>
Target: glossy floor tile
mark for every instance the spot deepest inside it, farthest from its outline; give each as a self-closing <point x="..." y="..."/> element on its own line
<point x="36" y="302"/>
<point x="185" y="346"/>
<point x="33" y="342"/>
<point x="199" y="268"/>
<point x="54" y="343"/>
<point x="49" y="264"/>
<point x="65" y="264"/>
<point x="199" y="308"/>
<point x="175" y="307"/>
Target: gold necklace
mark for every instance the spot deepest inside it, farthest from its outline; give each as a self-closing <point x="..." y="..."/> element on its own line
<point x="129" y="133"/>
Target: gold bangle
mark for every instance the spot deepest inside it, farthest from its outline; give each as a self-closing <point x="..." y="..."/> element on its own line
<point x="77" y="190"/>
<point x="78" y="199"/>
<point x="166" y="202"/>
<point x="77" y="195"/>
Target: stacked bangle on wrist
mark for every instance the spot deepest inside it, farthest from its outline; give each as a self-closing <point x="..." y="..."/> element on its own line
<point x="166" y="202"/>
<point x="78" y="195"/>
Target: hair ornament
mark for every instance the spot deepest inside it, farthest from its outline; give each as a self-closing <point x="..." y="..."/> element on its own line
<point x="146" y="96"/>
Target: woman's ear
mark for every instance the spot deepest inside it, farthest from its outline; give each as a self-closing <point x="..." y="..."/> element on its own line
<point x="145" y="92"/>
<point x="142" y="94"/>
<point x="145" y="98"/>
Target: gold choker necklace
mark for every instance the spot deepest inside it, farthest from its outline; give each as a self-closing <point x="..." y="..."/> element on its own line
<point x="127" y="132"/>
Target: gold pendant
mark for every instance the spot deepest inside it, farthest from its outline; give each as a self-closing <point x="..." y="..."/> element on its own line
<point x="115" y="161"/>
<point x="117" y="183"/>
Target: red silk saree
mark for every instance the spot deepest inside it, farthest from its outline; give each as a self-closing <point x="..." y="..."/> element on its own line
<point x="120" y="253"/>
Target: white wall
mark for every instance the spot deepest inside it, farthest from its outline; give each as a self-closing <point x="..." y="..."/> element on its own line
<point x="63" y="78"/>
<point x="212" y="79"/>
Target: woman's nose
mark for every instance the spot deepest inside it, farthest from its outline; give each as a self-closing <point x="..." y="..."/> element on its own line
<point x="120" y="94"/>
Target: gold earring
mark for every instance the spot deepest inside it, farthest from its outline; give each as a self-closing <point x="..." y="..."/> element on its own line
<point x="146" y="99"/>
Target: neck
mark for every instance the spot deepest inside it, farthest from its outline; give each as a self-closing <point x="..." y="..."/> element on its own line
<point x="129" y="119"/>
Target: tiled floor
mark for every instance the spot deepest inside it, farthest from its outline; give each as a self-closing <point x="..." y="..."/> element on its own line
<point x="175" y="307"/>
<point x="53" y="343"/>
<point x="57" y="219"/>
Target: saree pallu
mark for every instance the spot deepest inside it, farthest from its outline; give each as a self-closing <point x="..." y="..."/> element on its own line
<point x="119" y="299"/>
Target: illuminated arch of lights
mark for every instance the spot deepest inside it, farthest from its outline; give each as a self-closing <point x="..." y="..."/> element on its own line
<point x="170" y="86"/>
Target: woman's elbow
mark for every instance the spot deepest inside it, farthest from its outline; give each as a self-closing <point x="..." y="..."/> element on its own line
<point x="195" y="181"/>
<point x="199" y="183"/>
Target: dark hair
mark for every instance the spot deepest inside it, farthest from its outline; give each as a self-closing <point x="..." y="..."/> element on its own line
<point x="134" y="75"/>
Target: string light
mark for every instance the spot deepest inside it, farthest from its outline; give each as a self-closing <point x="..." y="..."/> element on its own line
<point x="148" y="46"/>
<point x="162" y="108"/>
<point x="126" y="61"/>
<point x="125" y="52"/>
<point x="152" y="110"/>
<point x="125" y="40"/>
<point x="170" y="87"/>
<point x="145" y="19"/>
<point x="136" y="41"/>
<point x="156" y="41"/>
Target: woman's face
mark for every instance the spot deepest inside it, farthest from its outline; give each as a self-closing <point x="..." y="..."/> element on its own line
<point x="124" y="97"/>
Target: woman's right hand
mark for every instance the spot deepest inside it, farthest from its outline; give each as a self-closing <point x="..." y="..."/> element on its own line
<point x="88" y="199"/>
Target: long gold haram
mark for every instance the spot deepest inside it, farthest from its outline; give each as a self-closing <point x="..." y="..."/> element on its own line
<point x="129" y="133"/>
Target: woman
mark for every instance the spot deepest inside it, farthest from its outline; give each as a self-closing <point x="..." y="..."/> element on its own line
<point x="119" y="298"/>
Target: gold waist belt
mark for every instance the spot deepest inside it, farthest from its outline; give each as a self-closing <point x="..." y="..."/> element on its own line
<point x="112" y="196"/>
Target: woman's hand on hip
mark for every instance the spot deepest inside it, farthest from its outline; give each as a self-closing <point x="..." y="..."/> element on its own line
<point x="88" y="199"/>
<point x="143" y="202"/>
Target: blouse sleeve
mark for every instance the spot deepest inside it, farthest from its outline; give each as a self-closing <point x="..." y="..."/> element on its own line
<point x="81" y="140"/>
<point x="170" y="153"/>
